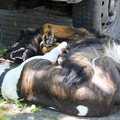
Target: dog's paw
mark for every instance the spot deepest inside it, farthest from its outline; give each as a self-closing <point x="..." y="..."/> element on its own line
<point x="62" y="47"/>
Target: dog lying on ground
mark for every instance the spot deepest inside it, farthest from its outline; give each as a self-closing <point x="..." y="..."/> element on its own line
<point x="87" y="82"/>
<point x="40" y="41"/>
<point x="56" y="33"/>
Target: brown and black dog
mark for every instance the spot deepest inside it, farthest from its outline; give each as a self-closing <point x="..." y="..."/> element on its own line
<point x="87" y="82"/>
<point x="41" y="40"/>
<point x="56" y="33"/>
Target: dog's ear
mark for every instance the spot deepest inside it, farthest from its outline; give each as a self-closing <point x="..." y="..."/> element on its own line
<point x="19" y="38"/>
<point x="35" y="41"/>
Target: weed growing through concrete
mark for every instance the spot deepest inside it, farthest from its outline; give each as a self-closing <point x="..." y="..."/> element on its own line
<point x="18" y="102"/>
<point x="34" y="108"/>
<point x="2" y="109"/>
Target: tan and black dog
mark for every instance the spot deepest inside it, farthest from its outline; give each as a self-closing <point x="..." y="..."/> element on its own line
<point x="87" y="82"/>
<point x="56" y="33"/>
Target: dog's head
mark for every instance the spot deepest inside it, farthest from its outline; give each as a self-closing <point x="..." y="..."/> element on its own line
<point x="25" y="47"/>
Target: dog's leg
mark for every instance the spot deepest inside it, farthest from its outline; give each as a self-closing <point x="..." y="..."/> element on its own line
<point x="48" y="49"/>
<point x="53" y="54"/>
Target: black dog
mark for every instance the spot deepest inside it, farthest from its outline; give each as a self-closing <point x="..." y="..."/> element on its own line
<point x="25" y="47"/>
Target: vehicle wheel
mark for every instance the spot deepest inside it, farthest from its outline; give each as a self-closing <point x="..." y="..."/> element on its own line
<point x="101" y="17"/>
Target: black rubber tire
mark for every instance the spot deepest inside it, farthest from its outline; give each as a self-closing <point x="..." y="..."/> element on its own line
<point x="87" y="14"/>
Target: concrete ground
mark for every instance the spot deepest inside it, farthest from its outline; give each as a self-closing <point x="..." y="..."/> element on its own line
<point x="11" y="22"/>
<point x="46" y="114"/>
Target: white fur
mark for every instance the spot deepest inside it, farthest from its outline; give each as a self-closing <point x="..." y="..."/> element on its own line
<point x="4" y="65"/>
<point x="9" y="89"/>
<point x="83" y="110"/>
<point x="93" y="62"/>
<point x="113" y="51"/>
<point x="118" y="50"/>
<point x="9" y="85"/>
<point x="2" y="68"/>
<point x="52" y="108"/>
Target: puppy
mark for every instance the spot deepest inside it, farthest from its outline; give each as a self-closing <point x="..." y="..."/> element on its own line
<point x="56" y="33"/>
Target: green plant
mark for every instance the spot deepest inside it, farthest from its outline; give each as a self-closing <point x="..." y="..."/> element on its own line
<point x="15" y="23"/>
<point x="3" y="116"/>
<point x="35" y="109"/>
<point x="18" y="102"/>
<point x="3" y="108"/>
<point x="4" y="50"/>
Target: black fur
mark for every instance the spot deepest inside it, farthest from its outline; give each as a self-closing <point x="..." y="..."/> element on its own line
<point x="77" y="63"/>
<point x="77" y="68"/>
<point x="29" y="40"/>
<point x="81" y="44"/>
